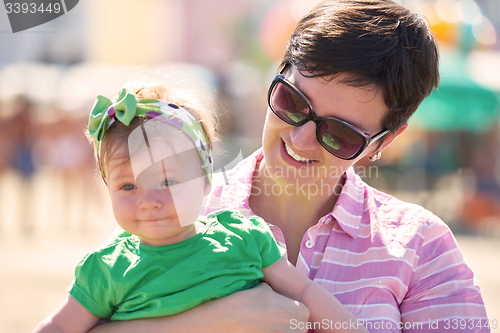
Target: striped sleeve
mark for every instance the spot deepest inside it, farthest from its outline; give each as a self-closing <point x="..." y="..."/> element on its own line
<point x="443" y="293"/>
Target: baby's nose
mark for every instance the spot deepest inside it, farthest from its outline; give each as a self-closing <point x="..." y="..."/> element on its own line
<point x="152" y="199"/>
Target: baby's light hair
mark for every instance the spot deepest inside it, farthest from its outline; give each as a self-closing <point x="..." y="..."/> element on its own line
<point x="118" y="133"/>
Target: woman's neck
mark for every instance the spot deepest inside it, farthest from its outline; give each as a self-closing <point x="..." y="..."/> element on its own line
<point x="295" y="210"/>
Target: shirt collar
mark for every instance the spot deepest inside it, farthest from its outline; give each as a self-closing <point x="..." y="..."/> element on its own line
<point x="349" y="207"/>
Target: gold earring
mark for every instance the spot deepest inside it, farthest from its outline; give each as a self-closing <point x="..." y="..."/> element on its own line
<point x="375" y="157"/>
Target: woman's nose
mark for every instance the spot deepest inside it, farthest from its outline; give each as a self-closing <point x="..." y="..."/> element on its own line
<point x="152" y="199"/>
<point x="304" y="137"/>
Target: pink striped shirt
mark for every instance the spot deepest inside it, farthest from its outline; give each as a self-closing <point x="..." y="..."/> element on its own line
<point x="394" y="265"/>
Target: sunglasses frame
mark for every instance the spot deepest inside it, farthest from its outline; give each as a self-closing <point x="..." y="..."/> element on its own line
<point x="367" y="138"/>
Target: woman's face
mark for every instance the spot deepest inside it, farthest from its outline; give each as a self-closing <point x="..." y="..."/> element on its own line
<point x="293" y="156"/>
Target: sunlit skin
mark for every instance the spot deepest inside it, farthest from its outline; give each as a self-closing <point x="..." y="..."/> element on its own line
<point x="155" y="215"/>
<point x="311" y="186"/>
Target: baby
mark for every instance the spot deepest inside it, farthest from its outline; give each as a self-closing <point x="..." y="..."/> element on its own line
<point x="154" y="156"/>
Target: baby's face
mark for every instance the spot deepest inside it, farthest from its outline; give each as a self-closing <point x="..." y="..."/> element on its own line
<point x="158" y="203"/>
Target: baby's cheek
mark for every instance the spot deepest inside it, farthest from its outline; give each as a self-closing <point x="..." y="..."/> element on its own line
<point x="122" y="207"/>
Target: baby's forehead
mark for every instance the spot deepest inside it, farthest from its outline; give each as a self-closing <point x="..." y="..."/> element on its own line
<point x="118" y="165"/>
<point x="173" y="148"/>
<point x="155" y="134"/>
<point x="150" y="143"/>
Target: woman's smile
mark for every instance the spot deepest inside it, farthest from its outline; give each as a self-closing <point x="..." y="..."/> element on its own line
<point x="296" y="156"/>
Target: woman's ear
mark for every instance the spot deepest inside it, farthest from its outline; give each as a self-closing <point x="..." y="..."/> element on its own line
<point x="391" y="136"/>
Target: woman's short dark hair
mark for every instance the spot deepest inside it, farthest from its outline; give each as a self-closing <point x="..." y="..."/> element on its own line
<point x="378" y="42"/>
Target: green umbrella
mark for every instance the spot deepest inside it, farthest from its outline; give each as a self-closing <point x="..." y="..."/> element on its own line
<point x="459" y="104"/>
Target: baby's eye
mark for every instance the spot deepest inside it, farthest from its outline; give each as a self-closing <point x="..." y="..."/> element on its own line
<point x="128" y="187"/>
<point x="168" y="182"/>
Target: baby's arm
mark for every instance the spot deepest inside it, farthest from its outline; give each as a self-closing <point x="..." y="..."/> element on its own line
<point x="70" y="317"/>
<point x="325" y="309"/>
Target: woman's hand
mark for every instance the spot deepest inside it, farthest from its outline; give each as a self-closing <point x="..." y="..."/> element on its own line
<point x="262" y="310"/>
<point x="257" y="310"/>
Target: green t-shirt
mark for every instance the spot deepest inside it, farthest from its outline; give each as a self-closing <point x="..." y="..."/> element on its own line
<point x="126" y="279"/>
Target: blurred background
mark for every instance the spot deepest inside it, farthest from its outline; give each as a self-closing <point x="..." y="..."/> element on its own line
<point x="54" y="206"/>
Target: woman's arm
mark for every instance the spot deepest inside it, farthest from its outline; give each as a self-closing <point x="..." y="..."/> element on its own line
<point x="443" y="292"/>
<point x="256" y="310"/>
<point x="70" y="317"/>
<point x="327" y="313"/>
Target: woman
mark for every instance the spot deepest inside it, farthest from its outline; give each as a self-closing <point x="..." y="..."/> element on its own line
<point x="353" y="73"/>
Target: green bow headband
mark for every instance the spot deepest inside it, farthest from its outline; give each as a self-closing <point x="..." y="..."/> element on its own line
<point x="126" y="107"/>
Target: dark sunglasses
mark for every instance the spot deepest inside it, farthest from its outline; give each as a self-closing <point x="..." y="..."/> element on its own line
<point x="338" y="137"/>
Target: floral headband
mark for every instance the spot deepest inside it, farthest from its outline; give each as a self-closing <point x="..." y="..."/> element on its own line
<point x="127" y="106"/>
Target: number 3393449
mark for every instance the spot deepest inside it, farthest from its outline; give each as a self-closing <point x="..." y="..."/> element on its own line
<point x="469" y="323"/>
<point x="25" y="8"/>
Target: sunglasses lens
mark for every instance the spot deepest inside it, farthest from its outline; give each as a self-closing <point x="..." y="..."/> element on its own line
<point x="339" y="140"/>
<point x="288" y="105"/>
